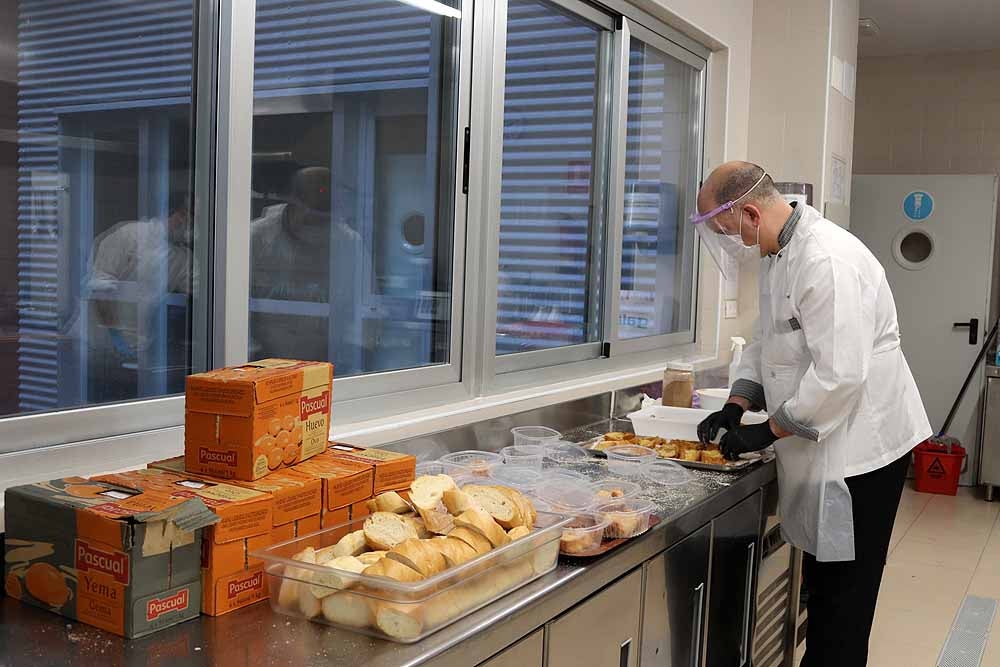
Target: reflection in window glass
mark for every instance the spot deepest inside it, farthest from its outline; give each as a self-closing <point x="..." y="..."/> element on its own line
<point x="546" y="294"/>
<point x="660" y="170"/>
<point x="95" y="206"/>
<point x="352" y="183"/>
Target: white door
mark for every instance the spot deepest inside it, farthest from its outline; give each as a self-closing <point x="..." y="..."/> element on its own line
<point x="934" y="236"/>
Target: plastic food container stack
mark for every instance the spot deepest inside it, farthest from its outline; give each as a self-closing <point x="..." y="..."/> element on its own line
<point x="630" y="460"/>
<point x="625" y="518"/>
<point x="534" y="435"/>
<point x="526" y="456"/>
<point x="476" y="462"/>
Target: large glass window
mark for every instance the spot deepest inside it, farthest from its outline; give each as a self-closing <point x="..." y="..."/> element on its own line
<point x="96" y="260"/>
<point x="353" y="181"/>
<point x="551" y="225"/>
<point x="661" y="172"/>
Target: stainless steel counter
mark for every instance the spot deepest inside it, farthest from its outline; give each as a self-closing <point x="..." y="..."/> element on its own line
<point x="257" y="636"/>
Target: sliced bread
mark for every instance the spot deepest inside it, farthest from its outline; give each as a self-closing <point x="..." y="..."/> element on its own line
<point x="454" y="550"/>
<point x="329" y="582"/>
<point x="352" y="544"/>
<point x="457" y="501"/>
<point x="392" y="569"/>
<point x="426" y="491"/>
<point x="472" y="538"/>
<point x="484" y="524"/>
<point x="419" y="555"/>
<point x="348" y="609"/>
<point x="518" y="532"/>
<point x="390" y="501"/>
<point x="501" y="507"/>
<point x="385" y="530"/>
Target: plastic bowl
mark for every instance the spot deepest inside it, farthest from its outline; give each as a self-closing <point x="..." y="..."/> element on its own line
<point x="583" y="535"/>
<point x="476" y="462"/>
<point x="630" y="460"/>
<point x="626" y="518"/>
<point x="534" y="435"/>
<point x="527" y="456"/>
<point x="522" y="478"/>
<point x="667" y="473"/>
<point x="712" y="399"/>
<point x="566" y="495"/>
<point x="614" y="489"/>
<point x="562" y="452"/>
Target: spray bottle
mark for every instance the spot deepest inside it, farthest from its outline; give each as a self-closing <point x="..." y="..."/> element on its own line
<point x="737" y="350"/>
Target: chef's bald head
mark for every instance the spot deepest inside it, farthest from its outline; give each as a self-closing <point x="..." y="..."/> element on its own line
<point x="730" y="181"/>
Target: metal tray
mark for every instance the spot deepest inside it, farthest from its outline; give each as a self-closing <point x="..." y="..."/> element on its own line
<point x="731" y="466"/>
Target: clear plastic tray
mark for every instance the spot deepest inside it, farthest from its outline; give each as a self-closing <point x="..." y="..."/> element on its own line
<point x="525" y="480"/>
<point x="564" y="452"/>
<point x="526" y="456"/>
<point x="476" y="462"/>
<point x="626" y="518"/>
<point x="630" y="460"/>
<point x="613" y="489"/>
<point x="403" y="612"/>
<point x="583" y="535"/>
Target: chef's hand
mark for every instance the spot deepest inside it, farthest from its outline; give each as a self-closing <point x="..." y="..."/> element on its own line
<point x="727" y="418"/>
<point x="743" y="439"/>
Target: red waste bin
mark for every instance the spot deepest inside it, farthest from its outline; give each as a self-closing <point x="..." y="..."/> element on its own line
<point x="936" y="469"/>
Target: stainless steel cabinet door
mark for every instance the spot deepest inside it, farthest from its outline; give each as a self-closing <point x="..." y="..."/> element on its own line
<point x="675" y="604"/>
<point x="601" y="632"/>
<point x="529" y="652"/>
<point x="734" y="579"/>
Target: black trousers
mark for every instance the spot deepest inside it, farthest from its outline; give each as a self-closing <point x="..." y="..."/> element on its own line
<point x="842" y="596"/>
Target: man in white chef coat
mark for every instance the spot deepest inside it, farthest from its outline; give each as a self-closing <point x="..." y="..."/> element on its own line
<point x="826" y="363"/>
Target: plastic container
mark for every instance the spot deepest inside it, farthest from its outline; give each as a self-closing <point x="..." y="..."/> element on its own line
<point x="476" y="462"/>
<point x="667" y="473"/>
<point x="441" y="468"/>
<point x="626" y="518"/>
<point x="712" y="399"/>
<point x="935" y="470"/>
<point x="559" y="473"/>
<point x="678" y="385"/>
<point x="677" y="423"/>
<point x="630" y="460"/>
<point x="526" y="456"/>
<point x="613" y="489"/>
<point x="403" y="612"/>
<point x="522" y="478"/>
<point x="583" y="535"/>
<point x="564" y="453"/>
<point x="566" y="495"/>
<point x="534" y="435"/>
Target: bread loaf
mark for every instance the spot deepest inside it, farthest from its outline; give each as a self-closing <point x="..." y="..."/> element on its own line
<point x="392" y="569"/>
<point x="371" y="557"/>
<point x="437" y="520"/>
<point x="385" y="530"/>
<point x="390" y="501"/>
<point x="426" y="491"/>
<point x="454" y="550"/>
<point x="352" y="544"/>
<point x="472" y="538"/>
<point x="350" y="609"/>
<point x="329" y="582"/>
<point x="457" y="501"/>
<point x="518" y="532"/>
<point x="498" y="504"/>
<point x="481" y="522"/>
<point x="524" y="506"/>
<point x="420" y="556"/>
<point x="288" y="594"/>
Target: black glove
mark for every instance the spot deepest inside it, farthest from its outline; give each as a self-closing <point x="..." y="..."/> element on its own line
<point x="743" y="439"/>
<point x="728" y="418"/>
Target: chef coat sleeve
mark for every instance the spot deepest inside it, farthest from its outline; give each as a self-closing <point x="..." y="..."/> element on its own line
<point x="747" y="383"/>
<point x="837" y="320"/>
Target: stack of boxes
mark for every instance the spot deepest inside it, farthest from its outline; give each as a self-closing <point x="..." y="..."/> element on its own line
<point x="257" y="470"/>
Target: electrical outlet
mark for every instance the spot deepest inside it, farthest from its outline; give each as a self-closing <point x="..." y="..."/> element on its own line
<point x="731" y="309"/>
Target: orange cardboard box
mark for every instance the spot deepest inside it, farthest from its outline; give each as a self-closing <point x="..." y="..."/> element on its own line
<point x="393" y="471"/>
<point x="344" y="481"/>
<point x="296" y="496"/>
<point x="121" y="557"/>
<point x="247" y="421"/>
<point x="360" y="510"/>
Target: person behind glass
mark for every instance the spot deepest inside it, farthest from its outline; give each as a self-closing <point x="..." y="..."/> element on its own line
<point x="825" y="361"/>
<point x="301" y="255"/>
<point x="136" y="265"/>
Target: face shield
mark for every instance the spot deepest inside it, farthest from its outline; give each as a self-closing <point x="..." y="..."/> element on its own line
<point x="725" y="246"/>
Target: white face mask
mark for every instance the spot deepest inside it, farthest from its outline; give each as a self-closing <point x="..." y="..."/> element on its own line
<point x="733" y="245"/>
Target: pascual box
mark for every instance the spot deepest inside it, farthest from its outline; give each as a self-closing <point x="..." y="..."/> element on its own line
<point x="393" y="471"/>
<point x="247" y="421"/>
<point x="122" y="559"/>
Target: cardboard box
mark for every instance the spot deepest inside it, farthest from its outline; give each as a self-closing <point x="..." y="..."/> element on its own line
<point x="393" y="471"/>
<point x="296" y="496"/>
<point x="247" y="421"/>
<point x="123" y="559"/>
<point x="344" y="481"/>
<point x="246" y="519"/>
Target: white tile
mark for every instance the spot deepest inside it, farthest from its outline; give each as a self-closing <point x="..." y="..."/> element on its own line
<point x="918" y="586"/>
<point x="914" y="549"/>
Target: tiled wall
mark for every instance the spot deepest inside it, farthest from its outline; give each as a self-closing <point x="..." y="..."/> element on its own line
<point x="930" y="114"/>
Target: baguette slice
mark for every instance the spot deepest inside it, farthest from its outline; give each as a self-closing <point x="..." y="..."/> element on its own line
<point x="436" y="520"/>
<point x="454" y="550"/>
<point x="352" y="544"/>
<point x="350" y="609"/>
<point x="328" y="583"/>
<point x="518" y="532"/>
<point x="385" y="530"/>
<point x="372" y="557"/>
<point x="481" y="522"/>
<point x="390" y="501"/>
<point x="288" y="594"/>
<point x="420" y="556"/>
<point x="458" y="501"/>
<point x="473" y="538"/>
<point x="426" y="491"/>
<point x="421" y="527"/>
<point x="526" y="506"/>
<point x="504" y="511"/>
<point x="391" y="569"/>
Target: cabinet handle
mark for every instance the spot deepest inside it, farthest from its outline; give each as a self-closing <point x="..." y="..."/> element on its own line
<point x="624" y="651"/>
<point x="699" y="612"/>
<point x="747" y="608"/>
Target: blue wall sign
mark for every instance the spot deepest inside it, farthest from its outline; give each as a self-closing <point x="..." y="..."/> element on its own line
<point x="918" y="205"/>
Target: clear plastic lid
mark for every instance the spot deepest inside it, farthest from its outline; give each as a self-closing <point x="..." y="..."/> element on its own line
<point x="522" y="478"/>
<point x="667" y="473"/>
<point x="566" y="494"/>
<point x="560" y="473"/>
<point x="561" y="451"/>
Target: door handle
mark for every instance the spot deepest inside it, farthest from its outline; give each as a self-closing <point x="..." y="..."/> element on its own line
<point x="973" y="326"/>
<point x="747" y="606"/>
<point x="699" y="617"/>
<point x="624" y="651"/>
